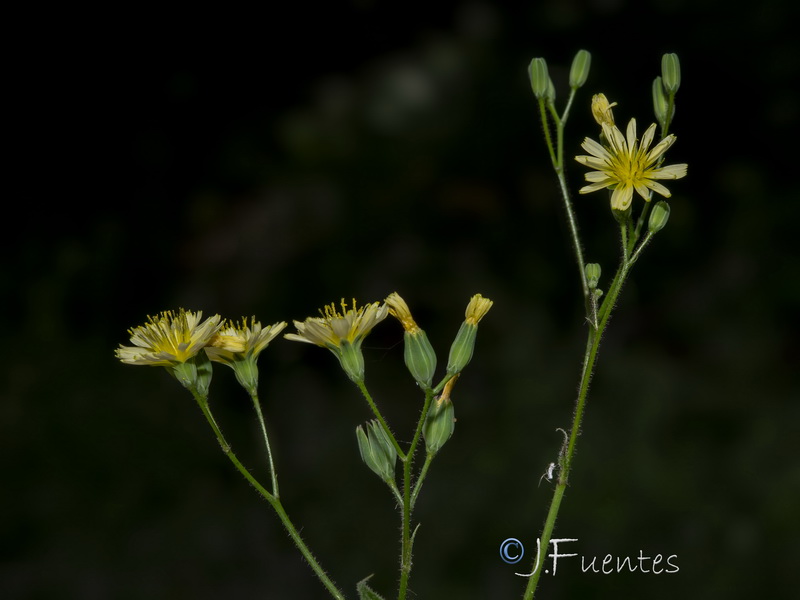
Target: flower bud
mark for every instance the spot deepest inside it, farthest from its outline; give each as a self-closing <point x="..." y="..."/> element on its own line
<point x="540" y="79"/>
<point x="551" y="91"/>
<point x="579" y="71"/>
<point x="377" y="450"/>
<point x="464" y="343"/>
<point x="420" y="357"/>
<point x="671" y="72"/>
<point x="440" y="422"/>
<point x="658" y="217"/>
<point x="661" y="102"/>
<point x="592" y="274"/>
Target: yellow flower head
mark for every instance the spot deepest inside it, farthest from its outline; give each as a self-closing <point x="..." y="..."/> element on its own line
<point x="399" y="309"/>
<point x="169" y="339"/>
<point x="477" y="308"/>
<point x="601" y="110"/>
<point x="351" y="325"/>
<point x="237" y="342"/>
<point x="626" y="164"/>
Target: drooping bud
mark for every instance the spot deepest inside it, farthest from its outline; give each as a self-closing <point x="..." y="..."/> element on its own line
<point x="579" y="71"/>
<point x="440" y="422"/>
<point x="671" y="72"/>
<point x="464" y="343"/>
<point x="419" y="355"/>
<point x="658" y="217"/>
<point x="377" y="450"/>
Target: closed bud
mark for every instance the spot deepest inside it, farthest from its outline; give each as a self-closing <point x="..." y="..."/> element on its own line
<point x="440" y="422"/>
<point x="377" y="450"/>
<point x="464" y="344"/>
<point x="420" y="357"/>
<point x="671" y="72"/>
<point x="579" y="71"/>
<point x="551" y="91"/>
<point x="661" y="102"/>
<point x="462" y="348"/>
<point x="592" y="275"/>
<point x="540" y="79"/>
<point x="658" y="217"/>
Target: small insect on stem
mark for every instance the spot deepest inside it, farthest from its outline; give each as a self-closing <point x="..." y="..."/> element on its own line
<point x="548" y="474"/>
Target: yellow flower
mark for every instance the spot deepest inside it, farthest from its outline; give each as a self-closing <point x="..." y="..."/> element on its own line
<point x="331" y="329"/>
<point x="342" y="333"/>
<point x="399" y="309"/>
<point x="239" y="347"/>
<point x="237" y="342"/>
<point x="169" y="339"/>
<point x="477" y="308"/>
<point x="626" y="164"/>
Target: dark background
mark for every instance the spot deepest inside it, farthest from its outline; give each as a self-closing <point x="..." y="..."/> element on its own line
<point x="269" y="162"/>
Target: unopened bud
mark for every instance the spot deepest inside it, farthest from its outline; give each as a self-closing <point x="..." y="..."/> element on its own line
<point x="658" y="217"/>
<point x="377" y="450"/>
<point x="579" y="71"/>
<point x="671" y="72"/>
<point x="661" y="102"/>
<point x="540" y="79"/>
<point x="464" y="344"/>
<point x="592" y="274"/>
<point x="441" y="422"/>
<point x="419" y="355"/>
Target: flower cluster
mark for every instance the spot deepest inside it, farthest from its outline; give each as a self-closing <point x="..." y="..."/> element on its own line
<point x="184" y="344"/>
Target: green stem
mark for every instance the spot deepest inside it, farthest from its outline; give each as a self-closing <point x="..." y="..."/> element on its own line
<point x="406" y="543"/>
<point x="202" y="401"/>
<point x="418" y="483"/>
<point x="589" y="362"/>
<point x="273" y="473"/>
<point x="557" y="158"/>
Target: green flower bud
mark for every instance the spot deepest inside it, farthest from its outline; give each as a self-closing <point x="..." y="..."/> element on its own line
<point x="671" y="72"/>
<point x="551" y="91"/>
<point x="352" y="360"/>
<point x="592" y="274"/>
<point x="661" y="102"/>
<point x="420" y="357"/>
<point x="579" y="71"/>
<point x="440" y="422"/>
<point x="658" y="217"/>
<point x="463" y="345"/>
<point x="540" y="79"/>
<point x="462" y="348"/>
<point x="377" y="450"/>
